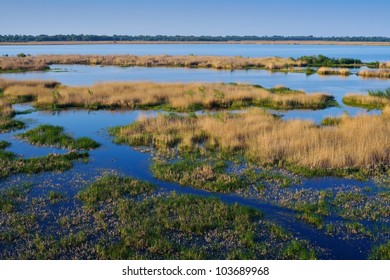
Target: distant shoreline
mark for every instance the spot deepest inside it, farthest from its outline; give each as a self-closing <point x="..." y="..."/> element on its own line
<point x="286" y="42"/>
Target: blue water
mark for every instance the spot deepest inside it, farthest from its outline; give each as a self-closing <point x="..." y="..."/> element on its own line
<point x="128" y="161"/>
<point x="364" y="53"/>
<point x="78" y="75"/>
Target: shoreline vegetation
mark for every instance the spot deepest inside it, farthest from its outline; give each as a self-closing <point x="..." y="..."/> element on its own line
<point x="167" y="96"/>
<point x="322" y="65"/>
<point x="353" y="147"/>
<point x="91" y="38"/>
<point x="376" y="99"/>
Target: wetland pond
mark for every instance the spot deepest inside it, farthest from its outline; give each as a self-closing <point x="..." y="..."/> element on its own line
<point x="303" y="217"/>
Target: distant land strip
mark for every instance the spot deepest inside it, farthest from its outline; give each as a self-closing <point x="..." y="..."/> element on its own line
<point x="252" y="42"/>
<point x="184" y="39"/>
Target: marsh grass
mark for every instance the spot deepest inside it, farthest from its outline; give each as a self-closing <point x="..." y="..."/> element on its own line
<point x="357" y="146"/>
<point x="333" y="71"/>
<point x="4" y="144"/>
<point x="112" y="187"/>
<point x="48" y="135"/>
<point x="381" y="252"/>
<point x="210" y="176"/>
<point x="381" y="73"/>
<point x="368" y="102"/>
<point x="42" y="62"/>
<point x="179" y="97"/>
<point x="9" y="164"/>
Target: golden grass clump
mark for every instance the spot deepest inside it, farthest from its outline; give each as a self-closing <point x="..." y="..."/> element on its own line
<point x="5" y="108"/>
<point x="42" y="62"/>
<point x="366" y="101"/>
<point x="360" y="142"/>
<point x="384" y="64"/>
<point x="382" y="73"/>
<point x="333" y="71"/>
<point x="181" y="97"/>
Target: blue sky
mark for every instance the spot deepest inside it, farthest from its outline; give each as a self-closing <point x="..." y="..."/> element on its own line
<point x="200" y="17"/>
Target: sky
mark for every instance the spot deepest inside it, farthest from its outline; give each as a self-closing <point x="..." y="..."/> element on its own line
<point x="200" y="17"/>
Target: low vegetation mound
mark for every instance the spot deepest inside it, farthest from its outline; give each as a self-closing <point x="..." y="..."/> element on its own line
<point x="360" y="143"/>
<point x="48" y="135"/>
<point x="180" y="97"/>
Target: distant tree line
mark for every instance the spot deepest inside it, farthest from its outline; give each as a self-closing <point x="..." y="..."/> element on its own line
<point x="179" y="38"/>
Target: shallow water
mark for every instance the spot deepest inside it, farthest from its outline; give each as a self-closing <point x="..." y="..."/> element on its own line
<point x="364" y="53"/>
<point x="130" y="162"/>
<point x="78" y="75"/>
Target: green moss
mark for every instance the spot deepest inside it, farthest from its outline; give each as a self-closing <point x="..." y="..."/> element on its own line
<point x="298" y="250"/>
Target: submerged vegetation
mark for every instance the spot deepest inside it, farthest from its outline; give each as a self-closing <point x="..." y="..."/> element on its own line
<point x="121" y="219"/>
<point x="48" y="135"/>
<point x="297" y="145"/>
<point x="180" y="97"/>
<point x="10" y="164"/>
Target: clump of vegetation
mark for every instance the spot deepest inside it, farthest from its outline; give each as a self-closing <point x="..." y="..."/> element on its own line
<point x="9" y="164"/>
<point x="204" y="175"/>
<point x="8" y="124"/>
<point x="381" y="252"/>
<point x="4" y="145"/>
<point x="382" y="73"/>
<point x="112" y="187"/>
<point x="42" y="62"/>
<point x="321" y="60"/>
<point x="333" y="71"/>
<point x="178" y="97"/>
<point x="55" y="196"/>
<point x="364" y="101"/>
<point x="265" y="139"/>
<point x="48" y="135"/>
<point x="380" y="93"/>
<point x="331" y="121"/>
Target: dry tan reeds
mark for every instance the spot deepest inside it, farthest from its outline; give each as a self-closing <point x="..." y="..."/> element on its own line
<point x="333" y="71"/>
<point x="41" y="62"/>
<point x="382" y="73"/>
<point x="360" y="142"/>
<point x="182" y="97"/>
<point x="366" y="101"/>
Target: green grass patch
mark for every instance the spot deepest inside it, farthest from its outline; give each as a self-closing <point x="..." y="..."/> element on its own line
<point x="331" y="121"/>
<point x="208" y="176"/>
<point x="112" y="187"/>
<point x="381" y="252"/>
<point x="48" y="135"/>
<point x="10" y="165"/>
<point x="4" y="145"/>
<point x="8" y="124"/>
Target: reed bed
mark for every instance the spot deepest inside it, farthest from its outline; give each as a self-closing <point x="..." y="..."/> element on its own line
<point x="362" y="142"/>
<point x="333" y="71"/>
<point x="181" y="97"/>
<point x="366" y="101"/>
<point x="42" y="62"/>
<point x="384" y="64"/>
<point x="382" y="73"/>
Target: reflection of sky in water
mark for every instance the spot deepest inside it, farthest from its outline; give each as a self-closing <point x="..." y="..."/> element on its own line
<point x="364" y="53"/>
<point x="335" y="85"/>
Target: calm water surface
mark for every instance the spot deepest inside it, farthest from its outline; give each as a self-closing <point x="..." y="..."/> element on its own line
<point x="364" y="53"/>
<point x="130" y="162"/>
<point x="80" y="75"/>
